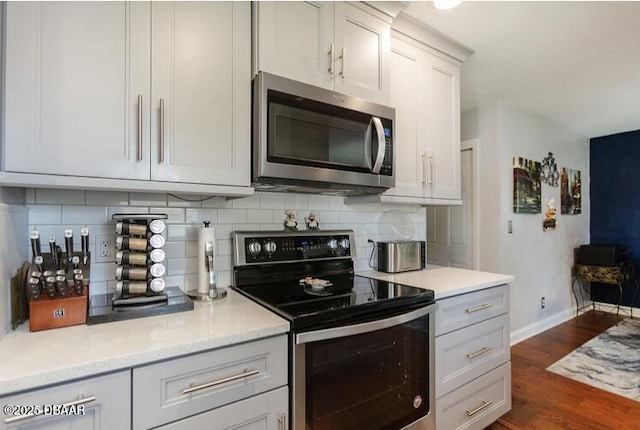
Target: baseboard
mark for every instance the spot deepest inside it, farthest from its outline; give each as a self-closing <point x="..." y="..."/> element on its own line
<point x="540" y="326"/>
<point x="552" y="321"/>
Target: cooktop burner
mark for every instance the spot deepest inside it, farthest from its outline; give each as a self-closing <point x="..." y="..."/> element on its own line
<point x="308" y="278"/>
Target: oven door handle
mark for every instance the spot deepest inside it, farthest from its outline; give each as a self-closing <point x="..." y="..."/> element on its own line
<point x="350" y="330"/>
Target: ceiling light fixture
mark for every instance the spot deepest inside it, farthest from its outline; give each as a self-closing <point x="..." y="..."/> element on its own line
<point x="446" y="4"/>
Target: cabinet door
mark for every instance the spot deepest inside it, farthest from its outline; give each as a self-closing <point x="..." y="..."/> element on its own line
<point x="442" y="128"/>
<point x="201" y="77"/>
<point x="73" y="73"/>
<point x="266" y="411"/>
<point x="408" y="98"/>
<point x="102" y="403"/>
<point x="363" y="43"/>
<point x="294" y="39"/>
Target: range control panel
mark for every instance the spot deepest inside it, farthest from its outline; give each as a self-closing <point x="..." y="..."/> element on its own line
<point x="259" y="247"/>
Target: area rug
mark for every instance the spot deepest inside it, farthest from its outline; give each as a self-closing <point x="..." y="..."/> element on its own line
<point x="610" y="361"/>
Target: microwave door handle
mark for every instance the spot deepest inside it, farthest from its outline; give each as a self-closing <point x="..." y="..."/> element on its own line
<point x="381" y="144"/>
<point x="368" y="146"/>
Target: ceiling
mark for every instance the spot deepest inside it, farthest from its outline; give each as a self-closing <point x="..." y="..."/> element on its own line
<point x="574" y="63"/>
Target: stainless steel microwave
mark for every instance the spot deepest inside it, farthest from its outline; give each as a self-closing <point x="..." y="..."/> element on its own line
<point x="310" y="139"/>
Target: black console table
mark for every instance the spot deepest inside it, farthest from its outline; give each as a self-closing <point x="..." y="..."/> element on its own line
<point x="621" y="275"/>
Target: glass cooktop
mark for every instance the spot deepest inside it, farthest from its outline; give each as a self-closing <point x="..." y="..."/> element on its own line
<point x="320" y="303"/>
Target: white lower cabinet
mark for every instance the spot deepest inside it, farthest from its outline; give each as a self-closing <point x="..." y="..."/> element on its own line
<point x="184" y="387"/>
<point x="102" y="402"/>
<point x="473" y="368"/>
<point x="265" y="411"/>
<point x="478" y="403"/>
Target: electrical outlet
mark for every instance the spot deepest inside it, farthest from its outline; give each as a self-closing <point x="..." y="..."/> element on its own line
<point x="510" y="227"/>
<point x="543" y="302"/>
<point x="105" y="248"/>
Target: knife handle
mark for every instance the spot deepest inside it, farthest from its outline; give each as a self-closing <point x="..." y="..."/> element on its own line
<point x="35" y="243"/>
<point x="84" y="242"/>
<point x="68" y="243"/>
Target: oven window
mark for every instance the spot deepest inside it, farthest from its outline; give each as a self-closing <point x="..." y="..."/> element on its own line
<point x="375" y="381"/>
<point x="310" y="133"/>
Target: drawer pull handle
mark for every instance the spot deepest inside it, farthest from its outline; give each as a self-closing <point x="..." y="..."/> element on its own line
<point x="80" y="401"/>
<point x="245" y="374"/>
<point x="483" y="406"/>
<point x="484" y="350"/>
<point x="479" y="308"/>
<point x="282" y="420"/>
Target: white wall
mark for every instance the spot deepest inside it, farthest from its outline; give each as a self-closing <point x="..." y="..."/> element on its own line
<point x="13" y="243"/>
<point x="51" y="211"/>
<point x="540" y="261"/>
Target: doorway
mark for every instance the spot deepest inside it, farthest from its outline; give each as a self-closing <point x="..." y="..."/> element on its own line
<point x="451" y="230"/>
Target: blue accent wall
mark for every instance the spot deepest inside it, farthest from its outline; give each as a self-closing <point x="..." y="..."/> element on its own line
<point x="615" y="202"/>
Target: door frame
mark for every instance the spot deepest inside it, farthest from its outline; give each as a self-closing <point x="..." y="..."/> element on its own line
<point x="473" y="145"/>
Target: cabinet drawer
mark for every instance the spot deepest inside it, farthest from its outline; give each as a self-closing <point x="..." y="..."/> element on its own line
<point x="174" y="389"/>
<point x="466" y="309"/>
<point x="103" y="402"/>
<point x="267" y="411"/>
<point x="476" y="404"/>
<point x="463" y="355"/>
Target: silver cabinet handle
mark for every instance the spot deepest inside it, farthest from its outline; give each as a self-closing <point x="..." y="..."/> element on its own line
<point x="139" y="156"/>
<point x="245" y="374"/>
<point x="331" y="59"/>
<point x="80" y="401"/>
<point x="479" y="308"/>
<point x="343" y="57"/>
<point x="282" y="420"/>
<point x="424" y="168"/>
<point x="479" y="352"/>
<point x="431" y="168"/>
<point x="483" y="406"/>
<point x="161" y="140"/>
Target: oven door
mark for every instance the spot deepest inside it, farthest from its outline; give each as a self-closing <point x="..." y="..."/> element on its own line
<point x="377" y="375"/>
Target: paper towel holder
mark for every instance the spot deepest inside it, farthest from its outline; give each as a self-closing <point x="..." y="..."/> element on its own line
<point x="213" y="292"/>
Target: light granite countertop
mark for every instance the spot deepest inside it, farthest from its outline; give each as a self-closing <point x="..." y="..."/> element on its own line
<point x="444" y="281"/>
<point x="31" y="360"/>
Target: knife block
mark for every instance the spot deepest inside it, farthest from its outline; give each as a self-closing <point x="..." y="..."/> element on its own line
<point x="46" y="313"/>
<point x="49" y="313"/>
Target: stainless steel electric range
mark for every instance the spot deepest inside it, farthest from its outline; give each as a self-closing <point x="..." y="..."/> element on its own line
<point x="361" y="350"/>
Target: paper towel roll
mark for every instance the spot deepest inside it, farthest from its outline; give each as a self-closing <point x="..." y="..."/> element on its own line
<point x="205" y="234"/>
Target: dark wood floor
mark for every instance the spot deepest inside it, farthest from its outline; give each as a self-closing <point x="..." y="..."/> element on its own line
<point x="546" y="401"/>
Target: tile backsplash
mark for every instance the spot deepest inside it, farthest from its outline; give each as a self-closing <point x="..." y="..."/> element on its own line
<point x="53" y="210"/>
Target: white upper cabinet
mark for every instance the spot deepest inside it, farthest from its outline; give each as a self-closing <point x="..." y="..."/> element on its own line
<point x="408" y="97"/>
<point x="73" y="73"/>
<point x="293" y="39"/>
<point x="201" y="92"/>
<point x="157" y="92"/>
<point x="425" y="91"/>
<point x="335" y="45"/>
<point x="442" y="135"/>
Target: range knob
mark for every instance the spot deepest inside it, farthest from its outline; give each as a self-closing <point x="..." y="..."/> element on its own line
<point x="344" y="243"/>
<point x="254" y="247"/>
<point x="270" y="247"/>
<point x="332" y="243"/>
